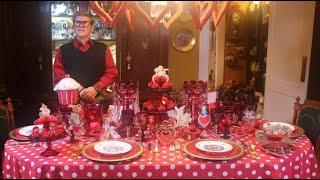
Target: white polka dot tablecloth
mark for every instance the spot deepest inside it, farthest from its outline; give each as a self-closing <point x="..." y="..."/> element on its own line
<point x="24" y="161"/>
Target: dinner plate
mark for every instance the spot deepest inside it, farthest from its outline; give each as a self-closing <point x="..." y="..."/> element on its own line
<point x="235" y="152"/>
<point x="89" y="152"/>
<point x="277" y="148"/>
<point x="112" y="147"/>
<point x="213" y="146"/>
<point x="280" y="124"/>
<point x="27" y="131"/>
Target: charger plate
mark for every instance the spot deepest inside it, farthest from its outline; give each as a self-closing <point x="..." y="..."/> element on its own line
<point x="16" y="135"/>
<point x="90" y="153"/>
<point x="27" y="130"/>
<point x="226" y="154"/>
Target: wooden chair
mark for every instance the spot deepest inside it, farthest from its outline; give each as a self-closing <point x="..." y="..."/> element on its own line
<point x="6" y="113"/>
<point x="7" y="124"/>
<point x="307" y="116"/>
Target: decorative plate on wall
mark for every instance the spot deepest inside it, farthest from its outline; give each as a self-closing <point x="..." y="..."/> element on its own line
<point x="184" y="40"/>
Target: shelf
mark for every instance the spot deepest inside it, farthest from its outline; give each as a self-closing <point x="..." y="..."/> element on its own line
<point x="62" y="39"/>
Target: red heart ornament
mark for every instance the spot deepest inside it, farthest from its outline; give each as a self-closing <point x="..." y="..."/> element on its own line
<point x="105" y="16"/>
<point x="196" y="8"/>
<point x="166" y="135"/>
<point x="139" y="11"/>
<point x="219" y="11"/>
<point x="160" y="79"/>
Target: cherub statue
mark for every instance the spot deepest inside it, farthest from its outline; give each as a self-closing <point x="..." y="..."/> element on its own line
<point x="44" y="110"/>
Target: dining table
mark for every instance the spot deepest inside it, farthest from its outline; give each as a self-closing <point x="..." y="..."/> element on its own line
<point x="23" y="160"/>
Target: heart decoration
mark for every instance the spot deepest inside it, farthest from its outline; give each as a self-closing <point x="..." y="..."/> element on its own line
<point x="195" y="88"/>
<point x="196" y="8"/>
<point x="129" y="9"/>
<point x="124" y="89"/>
<point x="146" y="17"/>
<point x="167" y="23"/>
<point x="160" y="79"/>
<point x="105" y="16"/>
<point x="219" y="12"/>
<point x="166" y="135"/>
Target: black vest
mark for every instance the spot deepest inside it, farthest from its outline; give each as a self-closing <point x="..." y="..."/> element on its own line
<point x="84" y="67"/>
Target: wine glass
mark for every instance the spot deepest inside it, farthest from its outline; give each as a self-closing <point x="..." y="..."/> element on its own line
<point x="141" y="121"/>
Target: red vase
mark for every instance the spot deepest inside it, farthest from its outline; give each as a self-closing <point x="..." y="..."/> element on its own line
<point x="93" y="117"/>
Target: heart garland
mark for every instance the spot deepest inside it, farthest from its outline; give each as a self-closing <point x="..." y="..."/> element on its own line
<point x="139" y="11"/>
<point x="195" y="9"/>
<point x="167" y="23"/>
<point x="219" y="12"/>
<point x="116" y="9"/>
<point x="206" y="8"/>
<point x="130" y="15"/>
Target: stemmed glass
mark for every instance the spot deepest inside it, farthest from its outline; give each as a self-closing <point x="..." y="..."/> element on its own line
<point x="127" y="118"/>
<point x="141" y="121"/>
<point x="66" y="112"/>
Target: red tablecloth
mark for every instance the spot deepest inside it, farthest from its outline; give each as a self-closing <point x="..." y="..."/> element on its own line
<point x="24" y="161"/>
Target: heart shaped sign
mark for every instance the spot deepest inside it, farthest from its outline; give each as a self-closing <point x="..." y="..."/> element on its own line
<point x="139" y="11"/>
<point x="167" y="23"/>
<point x="105" y="16"/>
<point x="166" y="135"/>
<point x="219" y="11"/>
<point x="196" y="9"/>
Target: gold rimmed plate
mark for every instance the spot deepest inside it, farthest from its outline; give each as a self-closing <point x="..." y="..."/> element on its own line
<point x="184" y="40"/>
<point x="14" y="134"/>
<point x="234" y="152"/>
<point x="90" y="152"/>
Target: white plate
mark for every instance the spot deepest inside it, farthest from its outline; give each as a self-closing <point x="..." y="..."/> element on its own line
<point x="268" y="124"/>
<point x="27" y="131"/>
<point x="214" y="146"/>
<point x="112" y="147"/>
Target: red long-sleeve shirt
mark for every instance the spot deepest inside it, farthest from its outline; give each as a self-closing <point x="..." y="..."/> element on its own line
<point x="110" y="72"/>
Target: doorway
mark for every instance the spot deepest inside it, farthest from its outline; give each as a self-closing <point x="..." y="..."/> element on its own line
<point x="314" y="73"/>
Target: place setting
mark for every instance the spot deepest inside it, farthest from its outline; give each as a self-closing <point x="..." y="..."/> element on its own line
<point x="213" y="149"/>
<point x="23" y="133"/>
<point x="112" y="150"/>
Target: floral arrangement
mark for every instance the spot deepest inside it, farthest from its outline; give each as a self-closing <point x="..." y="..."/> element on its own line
<point x="160" y="104"/>
<point x="51" y="128"/>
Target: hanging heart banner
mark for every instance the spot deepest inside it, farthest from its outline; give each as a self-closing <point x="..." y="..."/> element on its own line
<point x="129" y="15"/>
<point x="167" y="23"/>
<point x="197" y="8"/>
<point x="219" y="11"/>
<point x="105" y="16"/>
<point x="139" y="11"/>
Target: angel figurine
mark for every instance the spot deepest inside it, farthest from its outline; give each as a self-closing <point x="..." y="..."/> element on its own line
<point x="44" y="110"/>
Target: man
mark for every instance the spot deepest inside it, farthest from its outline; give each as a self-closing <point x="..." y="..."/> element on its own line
<point x="88" y="62"/>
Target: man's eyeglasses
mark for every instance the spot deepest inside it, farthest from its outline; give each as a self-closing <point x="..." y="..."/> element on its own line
<point x="84" y="23"/>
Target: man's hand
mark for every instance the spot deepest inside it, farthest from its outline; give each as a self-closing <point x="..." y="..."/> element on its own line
<point x="89" y="93"/>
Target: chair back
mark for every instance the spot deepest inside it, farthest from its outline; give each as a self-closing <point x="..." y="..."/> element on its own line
<point x="307" y="116"/>
<point x="6" y="113"/>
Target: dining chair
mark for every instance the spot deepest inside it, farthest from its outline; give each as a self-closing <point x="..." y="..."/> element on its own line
<point x="7" y="124"/>
<point x="6" y="113"/>
<point x="307" y="116"/>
